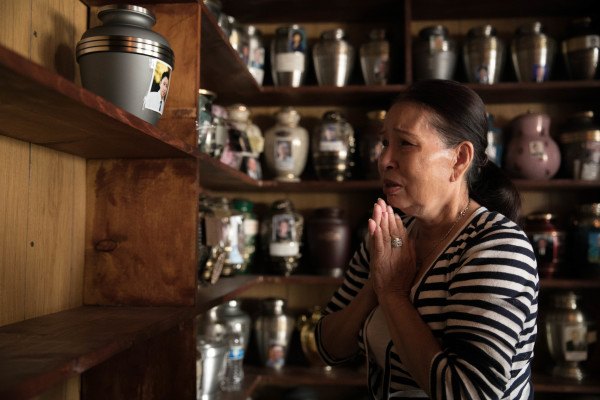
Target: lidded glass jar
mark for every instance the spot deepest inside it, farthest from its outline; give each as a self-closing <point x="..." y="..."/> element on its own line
<point x="127" y="63"/>
<point x="256" y="53"/>
<point x="286" y="146"/>
<point x="586" y="240"/>
<point x="549" y="241"/>
<point x="333" y="147"/>
<point x="374" y="58"/>
<point x="483" y="55"/>
<point x="333" y="57"/>
<point x="288" y="56"/>
<point x="370" y="144"/>
<point x="281" y="237"/>
<point x="566" y="333"/>
<point x="219" y="115"/>
<point x="532" y="53"/>
<point x="250" y="232"/>
<point x="211" y="254"/>
<point x="206" y="126"/>
<point x="434" y="54"/>
<point x="232" y="234"/>
<point x="580" y="139"/>
<point x="238" y="38"/>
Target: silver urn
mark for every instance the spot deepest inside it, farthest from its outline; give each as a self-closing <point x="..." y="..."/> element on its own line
<point x="235" y="319"/>
<point x="288" y="56"/>
<point x="434" y="54"/>
<point x="581" y="51"/>
<point x="566" y="334"/>
<point x="483" y="55"/>
<point x="210" y="364"/>
<point x="273" y="330"/>
<point x="532" y="53"/>
<point x="333" y="147"/>
<point x="374" y="58"/>
<point x="333" y="58"/>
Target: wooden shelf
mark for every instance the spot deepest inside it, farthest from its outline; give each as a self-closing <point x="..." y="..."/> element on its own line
<point x="556" y="184"/>
<point x="43" y="108"/>
<point x="543" y="383"/>
<point x="38" y="353"/>
<point x="567" y="284"/>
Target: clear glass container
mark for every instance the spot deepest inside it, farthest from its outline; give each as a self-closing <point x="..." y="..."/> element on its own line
<point x="232" y="234"/>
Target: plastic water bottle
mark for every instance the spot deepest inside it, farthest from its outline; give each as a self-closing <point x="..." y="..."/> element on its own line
<point x="234" y="371"/>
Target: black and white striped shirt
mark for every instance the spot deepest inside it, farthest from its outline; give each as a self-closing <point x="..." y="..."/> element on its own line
<point x="479" y="298"/>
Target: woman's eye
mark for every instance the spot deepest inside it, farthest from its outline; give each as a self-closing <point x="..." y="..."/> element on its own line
<point x="405" y="143"/>
<point x="385" y="143"/>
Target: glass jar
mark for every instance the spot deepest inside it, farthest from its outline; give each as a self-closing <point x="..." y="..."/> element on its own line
<point x="370" y="144"/>
<point x="219" y="115"/>
<point x="549" y="241"/>
<point x="238" y="144"/>
<point x="206" y="126"/>
<point x="281" y="236"/>
<point x="580" y="139"/>
<point x="211" y="255"/>
<point x="434" y="54"/>
<point x="374" y="58"/>
<point x="232" y="234"/>
<point x="250" y="232"/>
<point x="586" y="240"/>
<point x="286" y="146"/>
<point x="333" y="147"/>
<point x="566" y="334"/>
<point x="238" y="38"/>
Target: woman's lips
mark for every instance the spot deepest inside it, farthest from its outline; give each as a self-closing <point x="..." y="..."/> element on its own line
<point x="390" y="187"/>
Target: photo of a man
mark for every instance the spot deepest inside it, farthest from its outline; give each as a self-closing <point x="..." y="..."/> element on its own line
<point x="159" y="88"/>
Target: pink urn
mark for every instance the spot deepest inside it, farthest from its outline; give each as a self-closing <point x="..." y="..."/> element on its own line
<point x="531" y="152"/>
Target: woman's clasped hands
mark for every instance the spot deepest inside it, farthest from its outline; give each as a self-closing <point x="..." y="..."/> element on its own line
<point x="392" y="253"/>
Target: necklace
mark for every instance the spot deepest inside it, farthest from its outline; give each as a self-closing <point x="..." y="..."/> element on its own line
<point x="460" y="215"/>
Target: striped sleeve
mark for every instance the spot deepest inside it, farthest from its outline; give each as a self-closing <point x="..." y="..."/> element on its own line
<point x="354" y="279"/>
<point x="491" y="311"/>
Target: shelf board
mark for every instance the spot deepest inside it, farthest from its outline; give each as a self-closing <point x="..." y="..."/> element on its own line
<point x="543" y="383"/>
<point x="567" y="284"/>
<point x="43" y="108"/>
<point x="38" y="353"/>
<point x="555" y="184"/>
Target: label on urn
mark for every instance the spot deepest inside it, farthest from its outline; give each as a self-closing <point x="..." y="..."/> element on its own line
<point x="289" y="62"/>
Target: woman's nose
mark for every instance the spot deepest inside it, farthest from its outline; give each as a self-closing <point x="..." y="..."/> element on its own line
<point x="386" y="161"/>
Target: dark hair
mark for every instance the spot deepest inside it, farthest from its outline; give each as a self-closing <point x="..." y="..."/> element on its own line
<point x="165" y="74"/>
<point x="458" y="115"/>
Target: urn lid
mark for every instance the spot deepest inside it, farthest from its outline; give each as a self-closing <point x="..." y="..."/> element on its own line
<point x="288" y="116"/>
<point x="482" y="31"/>
<point x="208" y="94"/>
<point x="333" y="116"/>
<point x="378" y="115"/>
<point x="252" y="30"/>
<point x="334" y="34"/>
<point x="238" y="112"/>
<point x="434" y="30"/>
<point x="126" y="29"/>
<point x="377" y="34"/>
<point x="581" y="127"/>
<point x="274" y="305"/>
<point x="533" y="28"/>
<point x="283" y="205"/>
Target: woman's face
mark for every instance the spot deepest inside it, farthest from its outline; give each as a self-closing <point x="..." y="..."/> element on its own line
<point x="415" y="165"/>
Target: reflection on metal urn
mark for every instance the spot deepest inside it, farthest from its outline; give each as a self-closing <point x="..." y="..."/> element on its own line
<point x="273" y="330"/>
<point x="333" y="57"/>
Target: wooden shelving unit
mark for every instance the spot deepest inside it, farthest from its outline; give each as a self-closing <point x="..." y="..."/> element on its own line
<point x="40" y="107"/>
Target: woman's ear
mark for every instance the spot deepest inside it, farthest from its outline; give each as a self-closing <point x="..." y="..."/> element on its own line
<point x="463" y="158"/>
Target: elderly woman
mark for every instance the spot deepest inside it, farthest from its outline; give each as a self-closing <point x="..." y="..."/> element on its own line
<point x="443" y="301"/>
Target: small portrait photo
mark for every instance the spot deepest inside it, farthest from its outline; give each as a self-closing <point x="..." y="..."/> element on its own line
<point x="283" y="155"/>
<point x="575" y="344"/>
<point x="258" y="58"/>
<point x="536" y="149"/>
<point x="540" y="73"/>
<point x="159" y="88"/>
<point x="231" y="157"/>
<point x="283" y="228"/>
<point x="543" y="246"/>
<point x="251" y="166"/>
<point x="481" y="74"/>
<point x="276" y="356"/>
<point x="297" y="41"/>
<point x="381" y="69"/>
<point x="330" y="134"/>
